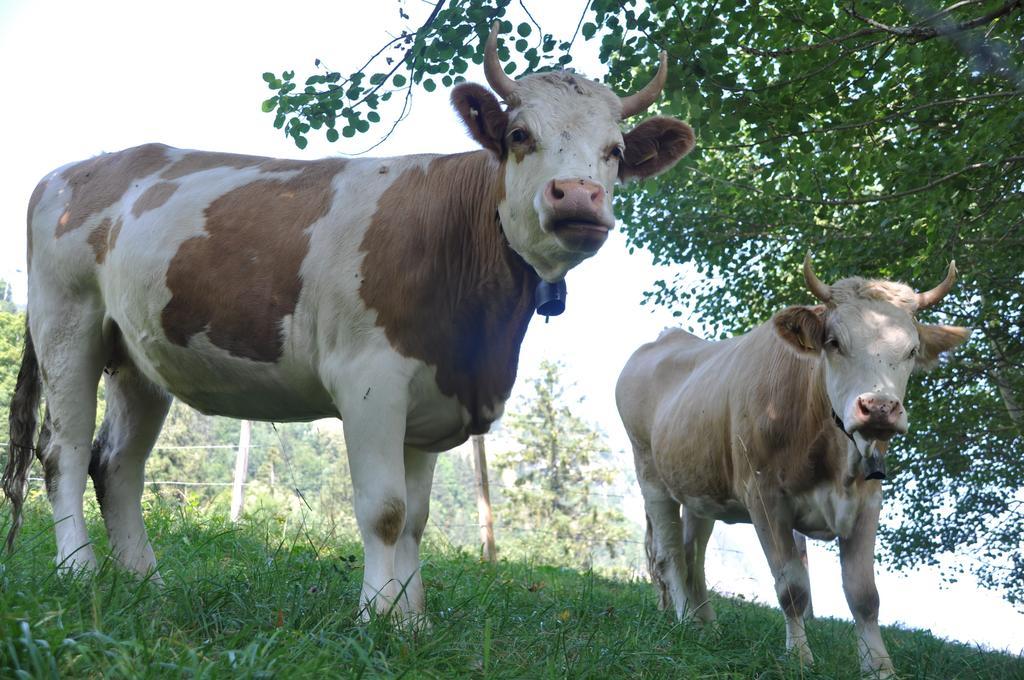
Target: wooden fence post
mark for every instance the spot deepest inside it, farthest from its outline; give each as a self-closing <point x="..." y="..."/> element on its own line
<point x="241" y="469"/>
<point x="483" y="499"/>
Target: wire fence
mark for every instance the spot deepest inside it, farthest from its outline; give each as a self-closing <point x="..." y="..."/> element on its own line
<point x="446" y="530"/>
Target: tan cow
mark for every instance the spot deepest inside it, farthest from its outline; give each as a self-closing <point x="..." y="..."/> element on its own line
<point x="394" y="293"/>
<point x="783" y="427"/>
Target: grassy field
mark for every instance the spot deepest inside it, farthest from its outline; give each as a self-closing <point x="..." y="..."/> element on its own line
<point x="273" y="598"/>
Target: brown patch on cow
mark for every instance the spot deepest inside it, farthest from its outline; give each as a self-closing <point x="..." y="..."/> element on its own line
<point x="522" y="148"/>
<point x="115" y="231"/>
<point x="103" y="238"/>
<point x="198" y="161"/>
<point x="241" y="278"/>
<point x="793" y="599"/>
<point x="153" y="197"/>
<point x="98" y="183"/>
<point x="654" y="146"/>
<point x="483" y="116"/>
<point x="447" y="288"/>
<point x="390" y="521"/>
<point x="282" y="165"/>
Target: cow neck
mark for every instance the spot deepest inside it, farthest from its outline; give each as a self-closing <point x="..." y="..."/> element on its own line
<point x="447" y="287"/>
<point x="797" y="380"/>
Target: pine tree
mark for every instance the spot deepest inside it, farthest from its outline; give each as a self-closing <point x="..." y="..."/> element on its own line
<point x="557" y="510"/>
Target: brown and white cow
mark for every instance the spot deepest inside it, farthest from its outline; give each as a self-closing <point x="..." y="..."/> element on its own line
<point x="754" y="429"/>
<point x="393" y="293"/>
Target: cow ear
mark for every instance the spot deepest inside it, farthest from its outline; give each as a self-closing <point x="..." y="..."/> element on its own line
<point x="935" y="340"/>
<point x="482" y="114"/>
<point x="654" y="146"/>
<point x="802" y="327"/>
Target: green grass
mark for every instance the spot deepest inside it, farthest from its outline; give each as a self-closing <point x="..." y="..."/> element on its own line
<point x="271" y="598"/>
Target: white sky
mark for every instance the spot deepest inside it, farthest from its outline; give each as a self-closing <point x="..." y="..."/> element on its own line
<point x="81" y="78"/>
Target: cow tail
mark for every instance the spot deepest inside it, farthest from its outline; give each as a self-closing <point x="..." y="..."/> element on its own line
<point x="22" y="421"/>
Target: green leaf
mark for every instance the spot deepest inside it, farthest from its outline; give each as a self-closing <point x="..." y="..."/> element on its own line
<point x="523" y="29"/>
<point x="429" y="85"/>
<point x="269" y="105"/>
<point x="269" y="77"/>
<point x="301" y="142"/>
<point x="588" y="30"/>
<point x="332" y="135"/>
<point x="373" y="117"/>
<point x="399" y="80"/>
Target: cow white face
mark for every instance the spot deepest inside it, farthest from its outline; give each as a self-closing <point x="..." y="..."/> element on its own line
<point x="562" y="152"/>
<point x="870" y="342"/>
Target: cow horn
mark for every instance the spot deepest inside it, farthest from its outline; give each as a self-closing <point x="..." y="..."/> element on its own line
<point x="637" y="103"/>
<point x="496" y="77"/>
<point x="814" y="284"/>
<point x="925" y="300"/>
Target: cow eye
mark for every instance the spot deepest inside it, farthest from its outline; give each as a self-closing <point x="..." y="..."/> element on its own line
<point x="616" y="153"/>
<point x="833" y="344"/>
<point x="913" y="352"/>
<point x="518" y="136"/>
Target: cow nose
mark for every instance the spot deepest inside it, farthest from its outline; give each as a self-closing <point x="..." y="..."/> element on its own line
<point x="878" y="416"/>
<point x="574" y="195"/>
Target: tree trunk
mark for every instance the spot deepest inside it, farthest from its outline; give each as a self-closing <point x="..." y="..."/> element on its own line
<point x="241" y="470"/>
<point x="483" y="499"/>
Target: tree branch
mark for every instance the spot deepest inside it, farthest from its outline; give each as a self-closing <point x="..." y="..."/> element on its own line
<point x="813" y="46"/>
<point x="862" y="200"/>
<point x="919" y="32"/>
<point x="866" y="123"/>
<point x="426" y="24"/>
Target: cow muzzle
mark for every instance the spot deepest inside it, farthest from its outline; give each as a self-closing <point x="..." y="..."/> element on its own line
<point x="877" y="417"/>
<point x="575" y="211"/>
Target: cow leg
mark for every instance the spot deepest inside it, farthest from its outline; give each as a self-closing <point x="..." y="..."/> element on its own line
<point x="373" y="404"/>
<point x="773" y="522"/>
<point x="857" y="557"/>
<point x="696" y="533"/>
<point x="71" y="353"/>
<point x="136" y="409"/>
<point x="664" y="545"/>
<point x="419" y="475"/>
<point x="801" y="548"/>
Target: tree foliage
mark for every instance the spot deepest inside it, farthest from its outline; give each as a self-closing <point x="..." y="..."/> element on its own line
<point x="560" y="471"/>
<point x="12" y="339"/>
<point x="885" y="137"/>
